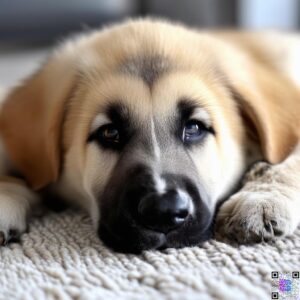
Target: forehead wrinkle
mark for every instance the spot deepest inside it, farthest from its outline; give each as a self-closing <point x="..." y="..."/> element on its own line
<point x="148" y="68"/>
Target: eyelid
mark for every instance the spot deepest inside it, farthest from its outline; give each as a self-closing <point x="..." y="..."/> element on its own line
<point x="99" y="121"/>
<point x="202" y="116"/>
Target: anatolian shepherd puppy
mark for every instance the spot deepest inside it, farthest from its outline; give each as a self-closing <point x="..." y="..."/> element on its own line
<point x="149" y="126"/>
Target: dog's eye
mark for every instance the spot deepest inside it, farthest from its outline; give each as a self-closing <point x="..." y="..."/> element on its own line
<point x="109" y="133"/>
<point x="193" y="131"/>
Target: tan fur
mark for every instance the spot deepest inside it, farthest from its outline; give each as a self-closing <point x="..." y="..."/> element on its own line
<point x="33" y="139"/>
<point x="236" y="77"/>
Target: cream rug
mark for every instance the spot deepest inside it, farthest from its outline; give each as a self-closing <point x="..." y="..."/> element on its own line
<point x="61" y="258"/>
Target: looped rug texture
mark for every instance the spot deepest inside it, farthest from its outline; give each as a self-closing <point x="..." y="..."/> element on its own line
<point x="62" y="258"/>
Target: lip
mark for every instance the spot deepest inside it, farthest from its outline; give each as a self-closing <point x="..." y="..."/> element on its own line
<point x="139" y="239"/>
<point x="132" y="242"/>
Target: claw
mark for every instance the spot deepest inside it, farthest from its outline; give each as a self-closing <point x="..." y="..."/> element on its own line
<point x="269" y="227"/>
<point x="274" y="223"/>
<point x="13" y="235"/>
<point x="2" y="238"/>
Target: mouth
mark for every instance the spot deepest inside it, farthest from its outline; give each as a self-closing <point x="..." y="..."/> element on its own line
<point x="132" y="242"/>
<point x="135" y="238"/>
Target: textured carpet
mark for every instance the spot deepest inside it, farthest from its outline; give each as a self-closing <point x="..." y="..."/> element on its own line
<point x="61" y="258"/>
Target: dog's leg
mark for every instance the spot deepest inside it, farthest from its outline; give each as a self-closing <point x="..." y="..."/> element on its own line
<point x="16" y="203"/>
<point x="268" y="205"/>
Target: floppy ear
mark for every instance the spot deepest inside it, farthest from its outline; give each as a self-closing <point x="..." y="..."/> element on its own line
<point x="31" y="121"/>
<point x="271" y="107"/>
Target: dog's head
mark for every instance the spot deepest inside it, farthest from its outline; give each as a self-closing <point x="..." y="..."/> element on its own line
<point x="147" y="125"/>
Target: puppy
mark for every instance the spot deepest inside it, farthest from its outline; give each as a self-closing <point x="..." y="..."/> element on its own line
<point x="149" y="126"/>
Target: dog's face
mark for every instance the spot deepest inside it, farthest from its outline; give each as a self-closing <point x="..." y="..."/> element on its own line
<point x="145" y="133"/>
<point x="156" y="154"/>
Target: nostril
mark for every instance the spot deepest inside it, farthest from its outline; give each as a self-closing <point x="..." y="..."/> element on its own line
<point x="164" y="212"/>
<point x="182" y="213"/>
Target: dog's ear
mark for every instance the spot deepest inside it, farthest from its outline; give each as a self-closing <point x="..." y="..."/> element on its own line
<point x="31" y="121"/>
<point x="270" y="107"/>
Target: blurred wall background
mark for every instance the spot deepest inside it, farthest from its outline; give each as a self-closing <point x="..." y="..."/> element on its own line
<point x="43" y="20"/>
<point x="29" y="28"/>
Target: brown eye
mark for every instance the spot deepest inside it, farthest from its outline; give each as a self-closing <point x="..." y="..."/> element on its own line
<point x="111" y="134"/>
<point x="108" y="136"/>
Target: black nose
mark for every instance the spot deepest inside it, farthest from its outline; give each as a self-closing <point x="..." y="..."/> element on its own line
<point x="164" y="212"/>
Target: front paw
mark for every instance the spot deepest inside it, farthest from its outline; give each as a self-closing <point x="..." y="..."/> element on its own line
<point x="12" y="235"/>
<point x="12" y="219"/>
<point x="255" y="216"/>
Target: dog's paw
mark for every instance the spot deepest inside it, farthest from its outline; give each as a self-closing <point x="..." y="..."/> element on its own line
<point x="258" y="170"/>
<point x="253" y="216"/>
<point x="13" y="219"/>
